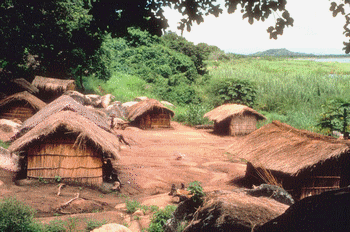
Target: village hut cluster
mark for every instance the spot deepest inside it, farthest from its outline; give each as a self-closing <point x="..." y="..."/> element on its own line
<point x="57" y="132"/>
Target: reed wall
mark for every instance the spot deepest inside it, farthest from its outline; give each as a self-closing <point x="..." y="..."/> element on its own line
<point x="21" y="110"/>
<point x="242" y="125"/>
<point x="66" y="160"/>
<point x="153" y="121"/>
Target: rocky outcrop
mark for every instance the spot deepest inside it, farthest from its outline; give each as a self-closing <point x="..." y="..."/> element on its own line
<point x="112" y="227"/>
<point x="272" y="191"/>
<point x="226" y="211"/>
<point x="329" y="211"/>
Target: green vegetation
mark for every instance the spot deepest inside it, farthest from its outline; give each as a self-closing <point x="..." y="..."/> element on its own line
<point x="15" y="216"/>
<point x="160" y="218"/>
<point x="4" y="144"/>
<point x="132" y="206"/>
<point x="93" y="224"/>
<point x="196" y="189"/>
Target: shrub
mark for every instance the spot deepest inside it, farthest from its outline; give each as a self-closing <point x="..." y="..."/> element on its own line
<point x="196" y="189"/>
<point x="192" y="114"/>
<point x="232" y="90"/>
<point x="132" y="206"/>
<point x="160" y="218"/>
<point x="15" y="216"/>
<point x="55" y="226"/>
<point x="93" y="224"/>
<point x="4" y="144"/>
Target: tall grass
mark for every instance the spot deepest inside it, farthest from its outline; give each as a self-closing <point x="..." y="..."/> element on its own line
<point x="289" y="90"/>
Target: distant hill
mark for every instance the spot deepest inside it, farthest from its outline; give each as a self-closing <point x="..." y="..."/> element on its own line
<point x="282" y="52"/>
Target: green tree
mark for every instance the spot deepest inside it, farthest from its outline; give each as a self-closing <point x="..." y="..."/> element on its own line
<point x="231" y="90"/>
<point x="335" y="117"/>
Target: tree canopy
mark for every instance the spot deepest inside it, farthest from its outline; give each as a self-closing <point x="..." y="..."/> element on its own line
<point x="61" y="37"/>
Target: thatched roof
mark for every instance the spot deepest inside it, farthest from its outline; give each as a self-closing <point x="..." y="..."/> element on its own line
<point x="52" y="84"/>
<point x="35" y="102"/>
<point x="225" y="111"/>
<point x="145" y="106"/>
<point x="280" y="147"/>
<point x="86" y="131"/>
<point x="63" y="103"/>
<point x="25" y="85"/>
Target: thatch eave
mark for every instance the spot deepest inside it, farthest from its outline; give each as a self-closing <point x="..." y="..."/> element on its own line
<point x="280" y="147"/>
<point x="33" y="101"/>
<point x="142" y="107"/>
<point x="73" y="123"/>
<point x="226" y="111"/>
<point x="52" y="84"/>
<point x="63" y="103"/>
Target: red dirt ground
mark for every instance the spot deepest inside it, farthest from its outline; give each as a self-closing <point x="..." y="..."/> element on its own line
<point x="156" y="160"/>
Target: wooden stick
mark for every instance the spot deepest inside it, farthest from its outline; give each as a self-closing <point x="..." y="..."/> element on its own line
<point x="68" y="202"/>
<point x="59" y="188"/>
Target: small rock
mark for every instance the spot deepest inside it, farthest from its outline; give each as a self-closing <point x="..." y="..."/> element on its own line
<point x="138" y="213"/>
<point x="112" y="227"/>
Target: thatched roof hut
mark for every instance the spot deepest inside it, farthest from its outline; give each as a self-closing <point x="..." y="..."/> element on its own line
<point x="20" y="106"/>
<point x="234" y="119"/>
<point x="67" y="145"/>
<point x="306" y="163"/>
<point x="149" y="114"/>
<point x="64" y="103"/>
<point x="24" y="85"/>
<point x="51" y="88"/>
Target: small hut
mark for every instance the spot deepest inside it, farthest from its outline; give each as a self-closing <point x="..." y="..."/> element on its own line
<point x="69" y="146"/>
<point x="20" y="106"/>
<point x="234" y="119"/>
<point x="63" y="103"/>
<point x="51" y="88"/>
<point x="305" y="163"/>
<point x="149" y="114"/>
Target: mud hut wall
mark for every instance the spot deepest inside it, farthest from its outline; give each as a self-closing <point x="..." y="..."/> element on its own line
<point x="242" y="125"/>
<point x="21" y="110"/>
<point x="66" y="160"/>
<point x="223" y="127"/>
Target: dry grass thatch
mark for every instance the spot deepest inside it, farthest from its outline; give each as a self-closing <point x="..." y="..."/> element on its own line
<point x="71" y="122"/>
<point x="25" y="85"/>
<point x="63" y="103"/>
<point x="145" y="106"/>
<point x="35" y="102"/>
<point x="53" y="84"/>
<point x="225" y="111"/>
<point x="280" y="147"/>
<point x="234" y="211"/>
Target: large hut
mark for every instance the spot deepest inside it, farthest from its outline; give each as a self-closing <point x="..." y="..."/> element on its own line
<point x="149" y="114"/>
<point x="63" y="103"/>
<point x="20" y="106"/>
<point x="303" y="162"/>
<point x="51" y="88"/>
<point x="234" y="119"/>
<point x="69" y="146"/>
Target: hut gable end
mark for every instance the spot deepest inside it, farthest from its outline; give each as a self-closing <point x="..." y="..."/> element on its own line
<point x="68" y="145"/>
<point x="21" y="105"/>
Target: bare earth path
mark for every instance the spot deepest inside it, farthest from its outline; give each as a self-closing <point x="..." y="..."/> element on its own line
<point x="156" y="160"/>
<point x="159" y="158"/>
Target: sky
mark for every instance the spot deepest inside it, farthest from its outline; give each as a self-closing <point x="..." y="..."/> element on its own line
<point x="315" y="30"/>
